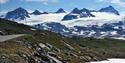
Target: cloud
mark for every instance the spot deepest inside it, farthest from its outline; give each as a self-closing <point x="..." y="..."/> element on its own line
<point x="37" y="0"/>
<point x="3" y="1"/>
<point x="117" y="2"/>
<point x="43" y="1"/>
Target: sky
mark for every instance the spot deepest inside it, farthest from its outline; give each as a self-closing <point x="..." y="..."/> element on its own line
<point x="54" y="5"/>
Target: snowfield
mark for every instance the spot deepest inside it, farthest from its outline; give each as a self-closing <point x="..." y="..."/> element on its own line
<point x="119" y="38"/>
<point x="37" y="19"/>
<point x="111" y="61"/>
<point x="100" y="19"/>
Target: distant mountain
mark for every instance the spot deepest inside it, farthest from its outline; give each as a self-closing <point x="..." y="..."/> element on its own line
<point x="2" y="16"/>
<point x="36" y="12"/>
<point x="17" y="14"/>
<point x="73" y="15"/>
<point x="109" y="9"/>
<point x="106" y="30"/>
<point x="87" y="12"/>
<point x="53" y="26"/>
<point x="93" y="10"/>
<point x="45" y="13"/>
<point x="70" y="17"/>
<point x="61" y="11"/>
<point x="76" y="13"/>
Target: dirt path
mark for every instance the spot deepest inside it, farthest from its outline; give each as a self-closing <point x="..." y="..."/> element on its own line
<point x="8" y="37"/>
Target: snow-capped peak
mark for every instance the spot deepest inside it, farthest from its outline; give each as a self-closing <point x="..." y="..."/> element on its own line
<point x="17" y="14"/>
<point x="36" y="12"/>
<point x="61" y="11"/>
<point x="109" y="9"/>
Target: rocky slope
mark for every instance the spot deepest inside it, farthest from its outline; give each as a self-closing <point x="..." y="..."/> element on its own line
<point x="60" y="11"/>
<point x="17" y="14"/>
<point x="47" y="47"/>
<point x="109" y="9"/>
<point x="36" y="12"/>
<point x="76" y="13"/>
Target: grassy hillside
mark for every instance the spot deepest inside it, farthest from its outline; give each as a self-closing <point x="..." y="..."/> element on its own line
<point x="10" y="27"/>
<point x="72" y="50"/>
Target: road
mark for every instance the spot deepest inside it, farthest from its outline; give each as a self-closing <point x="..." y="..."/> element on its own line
<point x="9" y="37"/>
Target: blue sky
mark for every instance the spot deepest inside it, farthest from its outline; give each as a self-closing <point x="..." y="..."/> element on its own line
<point x="53" y="5"/>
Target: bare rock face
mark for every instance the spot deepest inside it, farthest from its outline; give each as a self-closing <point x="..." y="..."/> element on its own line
<point x="36" y="12"/>
<point x="17" y="14"/>
<point x="76" y="13"/>
<point x="109" y="9"/>
<point x="60" y="11"/>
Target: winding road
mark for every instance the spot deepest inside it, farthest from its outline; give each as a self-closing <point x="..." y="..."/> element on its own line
<point x="9" y="37"/>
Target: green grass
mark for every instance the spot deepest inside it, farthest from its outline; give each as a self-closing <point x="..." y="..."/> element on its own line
<point x="10" y="27"/>
<point x="96" y="48"/>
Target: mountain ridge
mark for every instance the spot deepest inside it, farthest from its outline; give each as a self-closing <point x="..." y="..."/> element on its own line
<point x="18" y="13"/>
<point x="76" y="13"/>
<point x="36" y="12"/>
<point x="60" y="11"/>
<point x="82" y="13"/>
<point x="109" y="9"/>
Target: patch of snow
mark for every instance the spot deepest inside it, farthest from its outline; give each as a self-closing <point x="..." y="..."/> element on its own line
<point x="103" y="32"/>
<point x="42" y="45"/>
<point x="91" y="33"/>
<point x="69" y="46"/>
<point x="65" y="30"/>
<point x="75" y="32"/>
<point x="119" y="38"/>
<point x="33" y="29"/>
<point x="111" y="61"/>
<point x="56" y="60"/>
<point x="37" y="19"/>
<point x="113" y="32"/>
<point x="3" y="14"/>
<point x="100" y="19"/>
<point x="116" y="27"/>
<point x="81" y="33"/>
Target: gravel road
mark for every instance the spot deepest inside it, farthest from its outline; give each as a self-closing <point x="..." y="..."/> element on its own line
<point x="9" y="37"/>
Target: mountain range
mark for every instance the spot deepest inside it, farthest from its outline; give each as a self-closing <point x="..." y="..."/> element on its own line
<point x="22" y="14"/>
<point x="79" y="36"/>
<point x="106" y="22"/>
